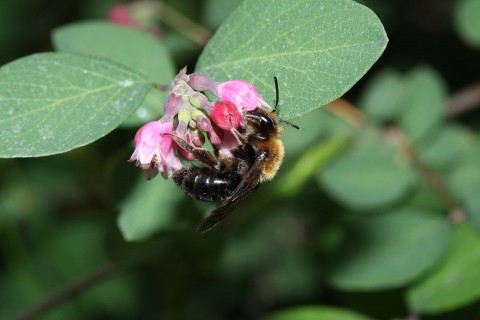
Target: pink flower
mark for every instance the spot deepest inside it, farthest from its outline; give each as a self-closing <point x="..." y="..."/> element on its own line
<point x="120" y="14"/>
<point x="241" y="93"/>
<point x="140" y="15"/>
<point x="155" y="151"/>
<point x="226" y="115"/>
<point x="192" y="116"/>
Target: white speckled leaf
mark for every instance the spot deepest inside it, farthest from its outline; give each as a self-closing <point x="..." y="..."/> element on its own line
<point x="54" y="102"/>
<point x="318" y="49"/>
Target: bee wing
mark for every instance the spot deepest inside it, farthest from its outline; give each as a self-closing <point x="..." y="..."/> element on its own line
<point x="229" y="204"/>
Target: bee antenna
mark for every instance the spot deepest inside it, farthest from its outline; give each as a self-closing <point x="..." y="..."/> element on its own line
<point x="289" y="123"/>
<point x="277" y="94"/>
<point x="277" y="98"/>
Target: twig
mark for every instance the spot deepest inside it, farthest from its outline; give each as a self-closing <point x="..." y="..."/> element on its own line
<point x="355" y="117"/>
<point x="431" y="178"/>
<point x="347" y="112"/>
<point x="463" y="100"/>
<point x="69" y="292"/>
<point x="189" y="28"/>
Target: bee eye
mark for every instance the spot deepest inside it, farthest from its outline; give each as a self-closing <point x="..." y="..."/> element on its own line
<point x="267" y="122"/>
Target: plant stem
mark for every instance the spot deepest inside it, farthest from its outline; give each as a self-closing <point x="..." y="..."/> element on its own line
<point x="431" y="178"/>
<point x="354" y="116"/>
<point x="314" y="159"/>
<point x="464" y="100"/>
<point x="347" y="112"/>
<point x="70" y="291"/>
<point x="181" y="23"/>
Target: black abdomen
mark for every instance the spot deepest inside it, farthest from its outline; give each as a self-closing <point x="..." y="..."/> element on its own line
<point x="206" y="184"/>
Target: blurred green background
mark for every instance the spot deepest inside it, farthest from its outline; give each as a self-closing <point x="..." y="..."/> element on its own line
<point x="356" y="218"/>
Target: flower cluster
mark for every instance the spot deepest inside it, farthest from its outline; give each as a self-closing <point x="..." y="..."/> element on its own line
<point x="190" y="115"/>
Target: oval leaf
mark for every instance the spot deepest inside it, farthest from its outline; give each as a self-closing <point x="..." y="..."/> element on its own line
<point x="447" y="146"/>
<point x="455" y="283"/>
<point x="368" y="177"/>
<point x="389" y="250"/>
<point x="315" y="313"/>
<point x="423" y="110"/>
<point x="464" y="180"/>
<point x="55" y="102"/>
<point x="317" y="49"/>
<point x="384" y="95"/>
<point x="132" y="48"/>
<point x="149" y="209"/>
<point x="467" y="22"/>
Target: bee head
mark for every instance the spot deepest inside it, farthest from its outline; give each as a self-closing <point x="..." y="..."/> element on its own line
<point x="264" y="120"/>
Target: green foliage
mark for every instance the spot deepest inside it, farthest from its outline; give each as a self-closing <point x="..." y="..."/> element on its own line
<point x="150" y="208"/>
<point x="465" y="178"/>
<point x="55" y="102"/>
<point x="423" y="105"/>
<point x="454" y="282"/>
<point x="446" y="146"/>
<point x="390" y="250"/>
<point x="368" y="177"/>
<point x="382" y="100"/>
<point x="312" y="312"/>
<point x="467" y="22"/>
<point x="216" y="11"/>
<point x="316" y="59"/>
<point x="132" y="48"/>
<point x="375" y="209"/>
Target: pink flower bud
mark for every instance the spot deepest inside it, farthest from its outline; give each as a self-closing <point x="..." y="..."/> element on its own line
<point x="198" y="139"/>
<point x="155" y="151"/>
<point x="199" y="100"/>
<point x="241" y="93"/>
<point x="172" y="105"/>
<point x="181" y="76"/>
<point x="141" y="15"/>
<point x="215" y="135"/>
<point x="203" y="123"/>
<point x="226" y="115"/>
<point x="120" y="14"/>
<point x="200" y="82"/>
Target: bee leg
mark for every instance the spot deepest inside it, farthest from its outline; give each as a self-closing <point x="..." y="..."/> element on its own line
<point x="202" y="155"/>
<point x="254" y="118"/>
<point x="240" y="138"/>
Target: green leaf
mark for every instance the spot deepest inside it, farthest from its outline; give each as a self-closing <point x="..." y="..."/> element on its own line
<point x="472" y="206"/>
<point x="55" y="102"/>
<point x="315" y="313"/>
<point x="466" y="21"/>
<point x="319" y="124"/>
<point x="464" y="180"/>
<point x="216" y="11"/>
<point x="313" y="160"/>
<point x="317" y="49"/>
<point x="368" y="177"/>
<point x="447" y="146"/>
<point x="132" y="48"/>
<point x="384" y="95"/>
<point x="149" y="209"/>
<point x="389" y="250"/>
<point x="423" y="110"/>
<point x="455" y="283"/>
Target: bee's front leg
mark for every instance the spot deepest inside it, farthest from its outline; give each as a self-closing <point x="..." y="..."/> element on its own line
<point x="202" y="155"/>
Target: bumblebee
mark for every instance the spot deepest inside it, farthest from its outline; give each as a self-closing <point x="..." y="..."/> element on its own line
<point x="231" y="179"/>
